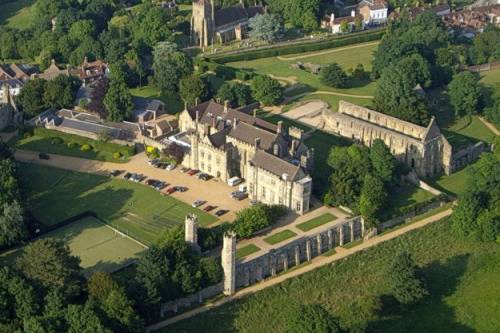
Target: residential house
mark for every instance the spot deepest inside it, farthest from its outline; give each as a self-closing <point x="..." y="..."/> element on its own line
<point x="14" y="87"/>
<point x="335" y="24"/>
<point x="20" y="72"/>
<point x="90" y="72"/>
<point x="374" y="12"/>
<point x="51" y="72"/>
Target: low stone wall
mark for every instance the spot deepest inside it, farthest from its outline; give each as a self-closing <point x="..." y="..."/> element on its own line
<point x="198" y="298"/>
<point x="467" y="155"/>
<point x="407" y="217"/>
<point x="300" y="250"/>
<point x="413" y="178"/>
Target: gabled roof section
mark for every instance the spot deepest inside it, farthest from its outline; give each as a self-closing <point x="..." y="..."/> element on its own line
<point x="236" y="13"/>
<point x="248" y="133"/>
<point x="277" y="166"/>
<point x="432" y="130"/>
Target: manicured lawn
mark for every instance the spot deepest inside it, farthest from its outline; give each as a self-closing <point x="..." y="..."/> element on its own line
<point x="42" y="141"/>
<point x="316" y="222"/>
<point x="16" y="13"/>
<point x="173" y="102"/>
<point x="246" y="250"/>
<point x="279" y="237"/>
<point x="492" y="79"/>
<point x="97" y="245"/>
<point x="347" y="58"/>
<point x="135" y="209"/>
<point x="455" y="183"/>
<point x="461" y="277"/>
<point x="400" y="197"/>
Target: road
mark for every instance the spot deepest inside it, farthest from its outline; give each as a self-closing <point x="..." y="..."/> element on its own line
<point x="317" y="262"/>
<point x="216" y="192"/>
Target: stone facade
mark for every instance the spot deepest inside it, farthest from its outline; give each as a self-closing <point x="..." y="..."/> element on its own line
<point x="210" y="25"/>
<point x="424" y="149"/>
<point x="191" y="231"/>
<point x="9" y="114"/>
<point x="228" y="258"/>
<point x="225" y="143"/>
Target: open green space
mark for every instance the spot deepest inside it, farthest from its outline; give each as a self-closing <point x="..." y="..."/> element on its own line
<point x="316" y="222"/>
<point x="453" y="184"/>
<point x="279" y="237"/>
<point x="72" y="145"/>
<point x="287" y="122"/>
<point x="173" y="102"/>
<point x="492" y="80"/>
<point x="347" y="57"/>
<point x="98" y="246"/>
<point x="246" y="250"/>
<point x="460" y="131"/>
<point x="461" y="275"/>
<point x="16" y="13"/>
<point x="55" y="195"/>
<point x="403" y="196"/>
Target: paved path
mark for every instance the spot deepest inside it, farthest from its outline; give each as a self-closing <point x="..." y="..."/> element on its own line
<point x="320" y="261"/>
<point x="490" y="126"/>
<point x="327" y="51"/>
<point x="217" y="193"/>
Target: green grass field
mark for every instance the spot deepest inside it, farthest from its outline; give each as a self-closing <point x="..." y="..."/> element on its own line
<point x="97" y="245"/>
<point x="16" y="13"/>
<point x="280" y="237"/>
<point x="173" y="103"/>
<point x="455" y="183"/>
<point x="404" y="196"/>
<point x="347" y="58"/>
<point x="101" y="151"/>
<point x="492" y="79"/>
<point x="246" y="250"/>
<point x="138" y="210"/>
<point x="461" y="275"/>
<point x="316" y="222"/>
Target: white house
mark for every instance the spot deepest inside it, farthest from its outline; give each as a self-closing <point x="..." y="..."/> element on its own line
<point x="373" y="11"/>
<point x="334" y="24"/>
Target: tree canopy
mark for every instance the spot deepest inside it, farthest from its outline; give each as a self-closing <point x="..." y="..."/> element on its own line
<point x="465" y="93"/>
<point x="266" y="90"/>
<point x="265" y="27"/>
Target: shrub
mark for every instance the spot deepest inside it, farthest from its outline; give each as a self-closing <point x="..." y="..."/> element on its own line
<point x="56" y="140"/>
<point x="151" y="149"/>
<point x="117" y="155"/>
<point x="86" y="147"/>
<point x="244" y="75"/>
<point x="225" y="73"/>
<point x="333" y="75"/>
<point x="72" y="145"/>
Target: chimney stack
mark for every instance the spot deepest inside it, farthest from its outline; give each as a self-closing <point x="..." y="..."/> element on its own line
<point x="257" y="144"/>
<point x="226" y="106"/>
<point x="235" y="122"/>
<point x="353" y="13"/>
<point x="255" y="113"/>
<point x="279" y="129"/>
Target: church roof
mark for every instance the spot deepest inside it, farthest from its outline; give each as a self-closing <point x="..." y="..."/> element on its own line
<point x="248" y="133"/>
<point x="236" y="13"/>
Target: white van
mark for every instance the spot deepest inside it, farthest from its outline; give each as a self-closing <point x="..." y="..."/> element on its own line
<point x="234" y="181"/>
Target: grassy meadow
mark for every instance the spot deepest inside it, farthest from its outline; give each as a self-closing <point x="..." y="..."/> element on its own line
<point x="16" y="13"/>
<point x="55" y="195"/>
<point x="461" y="277"/>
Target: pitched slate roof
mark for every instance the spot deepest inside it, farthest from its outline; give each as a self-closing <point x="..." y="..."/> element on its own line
<point x="248" y="133"/>
<point x="277" y="166"/>
<point x="236" y="13"/>
<point x="210" y="110"/>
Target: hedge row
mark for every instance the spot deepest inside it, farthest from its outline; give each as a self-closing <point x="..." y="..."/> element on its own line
<point x="80" y="140"/>
<point x="300" y="48"/>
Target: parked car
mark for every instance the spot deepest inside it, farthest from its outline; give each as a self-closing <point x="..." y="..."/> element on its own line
<point x="170" y="167"/>
<point x="204" y="176"/>
<point x="181" y="188"/>
<point x="171" y="190"/>
<point x="209" y="208"/>
<point x="127" y="176"/>
<point x="160" y="186"/>
<point x="137" y="177"/>
<point x="240" y="196"/>
<point x="151" y="182"/>
<point x="185" y="170"/>
<point x="234" y="181"/>
<point x="221" y="212"/>
<point x="193" y="172"/>
<point x="154" y="161"/>
<point x="198" y="203"/>
<point x="44" y="156"/>
<point x="115" y="173"/>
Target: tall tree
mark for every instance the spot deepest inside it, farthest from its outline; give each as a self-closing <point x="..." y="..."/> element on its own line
<point x="404" y="281"/>
<point x="266" y="90"/>
<point x="192" y="89"/>
<point x="384" y="163"/>
<point x="170" y="66"/>
<point x="372" y="199"/>
<point x="84" y="319"/>
<point x="49" y="263"/>
<point x="465" y="93"/>
<point x="97" y="96"/>
<point x="12" y="226"/>
<point x="333" y="75"/>
<point x="30" y="99"/>
<point x="118" y="100"/>
<point x="310" y="318"/>
<point x="61" y="91"/>
<point x="265" y="27"/>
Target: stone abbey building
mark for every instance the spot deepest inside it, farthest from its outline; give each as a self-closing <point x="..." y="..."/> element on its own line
<point x="424" y="149"/>
<point x="211" y="26"/>
<point x="224" y="142"/>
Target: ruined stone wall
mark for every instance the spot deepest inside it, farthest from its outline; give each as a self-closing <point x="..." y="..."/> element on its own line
<point x="296" y="252"/>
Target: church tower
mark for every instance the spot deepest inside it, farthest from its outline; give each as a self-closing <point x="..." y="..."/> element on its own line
<point x="203" y="22"/>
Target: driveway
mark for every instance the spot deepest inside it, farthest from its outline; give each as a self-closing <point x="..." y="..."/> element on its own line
<point x="215" y="192"/>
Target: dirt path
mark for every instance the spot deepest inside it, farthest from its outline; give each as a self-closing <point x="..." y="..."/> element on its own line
<point x="320" y="261"/>
<point x="490" y="126"/>
<point x="327" y="52"/>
